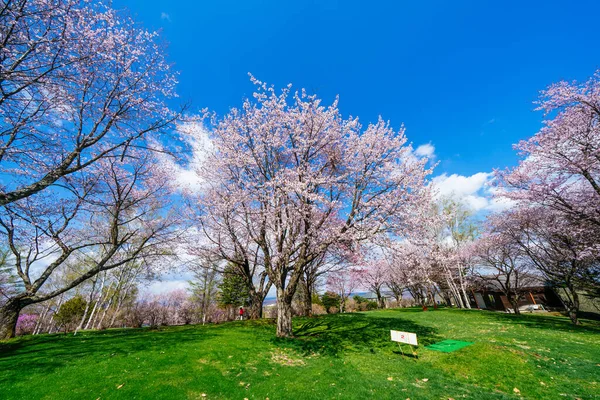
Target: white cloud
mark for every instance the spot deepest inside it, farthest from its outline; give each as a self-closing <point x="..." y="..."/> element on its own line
<point x="157" y="287"/>
<point x="185" y="175"/>
<point x="426" y="150"/>
<point x="498" y="204"/>
<point x="475" y="191"/>
<point x="164" y="16"/>
<point x="460" y="185"/>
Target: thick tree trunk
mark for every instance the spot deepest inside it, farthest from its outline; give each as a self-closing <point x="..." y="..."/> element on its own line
<point x="515" y="303"/>
<point x="9" y="314"/>
<point x="255" y="309"/>
<point x="380" y="301"/>
<point x="431" y="295"/>
<point x="397" y="294"/>
<point x="307" y="300"/>
<point x="574" y="307"/>
<point x="284" y="315"/>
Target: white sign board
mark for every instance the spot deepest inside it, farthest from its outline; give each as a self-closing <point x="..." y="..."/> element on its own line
<point x="404" y="337"/>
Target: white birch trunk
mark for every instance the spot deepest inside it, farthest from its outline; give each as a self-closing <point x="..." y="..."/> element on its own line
<point x="93" y="313"/>
<point x="87" y="306"/>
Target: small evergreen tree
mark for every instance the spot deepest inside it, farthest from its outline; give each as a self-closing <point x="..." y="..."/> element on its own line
<point x="71" y="312"/>
<point x="233" y="289"/>
<point x="331" y="301"/>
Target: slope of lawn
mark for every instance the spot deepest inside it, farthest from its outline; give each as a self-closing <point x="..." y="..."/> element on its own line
<point x="346" y="356"/>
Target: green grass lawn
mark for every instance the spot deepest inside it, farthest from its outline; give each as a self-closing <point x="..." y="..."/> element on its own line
<point x="347" y="356"/>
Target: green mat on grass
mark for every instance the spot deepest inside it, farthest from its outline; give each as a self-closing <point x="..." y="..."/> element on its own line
<point x="448" y="346"/>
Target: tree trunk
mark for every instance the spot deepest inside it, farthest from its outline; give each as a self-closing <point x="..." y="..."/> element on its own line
<point x="464" y="292"/>
<point x="397" y="294"/>
<point x="461" y="282"/>
<point x="255" y="308"/>
<point x="574" y="307"/>
<point x="447" y="299"/>
<point x="40" y="322"/>
<point x="284" y="315"/>
<point x="99" y="326"/>
<point x="92" y="316"/>
<point x="122" y="294"/>
<point x="457" y="297"/>
<point x="106" y="306"/>
<point x="87" y="307"/>
<point x="515" y="303"/>
<point x="51" y="323"/>
<point x="380" y="302"/>
<point x="9" y="314"/>
<point x="307" y="303"/>
<point x="116" y="312"/>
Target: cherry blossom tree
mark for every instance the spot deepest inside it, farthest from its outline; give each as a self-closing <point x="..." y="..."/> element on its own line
<point x="556" y="188"/>
<point x="228" y="241"/>
<point x="118" y="217"/>
<point x="79" y="82"/>
<point x="501" y="261"/>
<point x="411" y="269"/>
<point x="560" y="165"/>
<point x="375" y="276"/>
<point x="344" y="283"/>
<point x="554" y="247"/>
<point x="26" y="324"/>
<point x="432" y="261"/>
<point x="297" y="179"/>
<point x="337" y="259"/>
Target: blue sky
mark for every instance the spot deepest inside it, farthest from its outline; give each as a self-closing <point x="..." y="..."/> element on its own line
<point x="460" y="75"/>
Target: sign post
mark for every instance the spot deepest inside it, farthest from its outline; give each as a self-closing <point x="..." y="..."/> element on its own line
<point x="407" y="338"/>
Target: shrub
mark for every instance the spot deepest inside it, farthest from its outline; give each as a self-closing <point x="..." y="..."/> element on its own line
<point x="318" y="309"/>
<point x="26" y="324"/>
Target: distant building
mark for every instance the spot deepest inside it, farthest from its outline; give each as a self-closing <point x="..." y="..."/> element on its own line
<point x="488" y="294"/>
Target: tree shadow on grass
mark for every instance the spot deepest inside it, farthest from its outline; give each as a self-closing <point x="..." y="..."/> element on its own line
<point x="331" y="335"/>
<point x="45" y="353"/>
<point x="546" y="322"/>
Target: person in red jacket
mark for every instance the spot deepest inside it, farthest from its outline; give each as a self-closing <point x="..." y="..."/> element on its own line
<point x="241" y="313"/>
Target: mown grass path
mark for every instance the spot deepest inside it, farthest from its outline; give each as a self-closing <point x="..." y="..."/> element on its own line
<point x="346" y="356"/>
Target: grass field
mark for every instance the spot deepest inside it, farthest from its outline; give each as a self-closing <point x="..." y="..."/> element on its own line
<point x="346" y="356"/>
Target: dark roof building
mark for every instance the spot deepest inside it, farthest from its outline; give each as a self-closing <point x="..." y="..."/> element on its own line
<point x="489" y="294"/>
